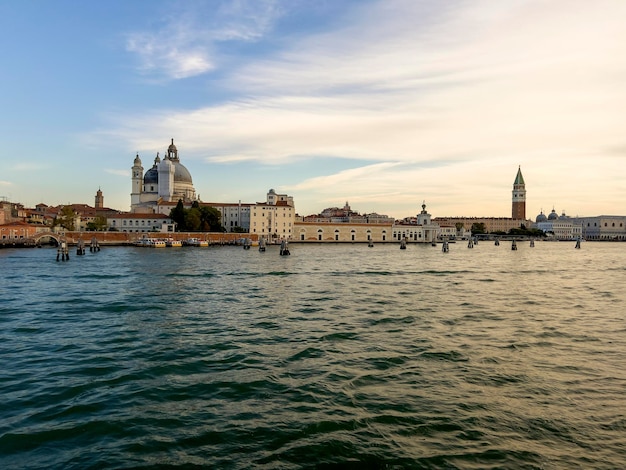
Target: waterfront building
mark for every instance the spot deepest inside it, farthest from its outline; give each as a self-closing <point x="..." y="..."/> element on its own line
<point x="558" y="227"/>
<point x="602" y="227"/>
<point x="492" y="224"/>
<point x="138" y="222"/>
<point x="275" y="218"/>
<point x="347" y="215"/>
<point x="326" y="231"/>
<point x="235" y="216"/>
<point x="17" y="230"/>
<point x="342" y="224"/>
<point x="168" y="180"/>
<point x="422" y="230"/>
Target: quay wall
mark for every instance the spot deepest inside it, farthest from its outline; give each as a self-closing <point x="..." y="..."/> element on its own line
<point x="129" y="238"/>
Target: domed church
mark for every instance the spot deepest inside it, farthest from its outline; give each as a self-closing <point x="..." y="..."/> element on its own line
<point x="167" y="181"/>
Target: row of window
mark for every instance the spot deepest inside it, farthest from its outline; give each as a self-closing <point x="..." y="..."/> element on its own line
<point x="130" y="222"/>
<point x="621" y="224"/>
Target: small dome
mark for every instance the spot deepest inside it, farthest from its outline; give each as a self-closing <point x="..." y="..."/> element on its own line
<point x="137" y="161"/>
<point x="541" y="218"/>
<point x="553" y="215"/>
<point x="151" y="176"/>
<point x="172" y="147"/>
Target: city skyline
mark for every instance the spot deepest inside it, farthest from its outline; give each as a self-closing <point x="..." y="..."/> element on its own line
<point x="380" y="103"/>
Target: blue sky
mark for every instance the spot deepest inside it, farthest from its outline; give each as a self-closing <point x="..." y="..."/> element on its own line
<point x="382" y="103"/>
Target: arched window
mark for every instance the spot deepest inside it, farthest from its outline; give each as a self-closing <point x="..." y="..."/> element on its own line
<point x="337" y="235"/>
<point x="320" y="234"/>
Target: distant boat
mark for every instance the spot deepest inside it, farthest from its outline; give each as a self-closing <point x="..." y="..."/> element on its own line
<point x="195" y="242"/>
<point x="172" y="242"/>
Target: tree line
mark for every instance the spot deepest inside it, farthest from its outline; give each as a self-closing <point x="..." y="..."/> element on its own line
<point x="197" y="218"/>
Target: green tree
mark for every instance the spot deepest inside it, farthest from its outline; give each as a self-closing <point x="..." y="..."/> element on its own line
<point x="459" y="226"/>
<point x="178" y="215"/>
<point x="193" y="221"/>
<point x="211" y="219"/>
<point x="66" y="218"/>
<point x="98" y="224"/>
<point x="478" y="228"/>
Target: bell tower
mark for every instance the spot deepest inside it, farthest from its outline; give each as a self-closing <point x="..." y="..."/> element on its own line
<point x="518" y="210"/>
<point x="137" y="178"/>
<point x="99" y="199"/>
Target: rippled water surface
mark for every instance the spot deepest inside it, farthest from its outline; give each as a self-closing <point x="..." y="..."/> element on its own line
<point x="338" y="356"/>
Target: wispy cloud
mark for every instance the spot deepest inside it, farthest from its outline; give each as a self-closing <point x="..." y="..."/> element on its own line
<point x="485" y="85"/>
<point x="5" y="183"/>
<point x="185" y="43"/>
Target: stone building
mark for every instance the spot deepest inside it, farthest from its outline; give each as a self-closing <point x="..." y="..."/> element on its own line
<point x="273" y="219"/>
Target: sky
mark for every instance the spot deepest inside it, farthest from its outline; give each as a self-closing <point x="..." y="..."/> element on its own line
<point x="383" y="104"/>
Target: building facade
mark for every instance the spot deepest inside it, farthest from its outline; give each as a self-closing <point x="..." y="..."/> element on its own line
<point x="422" y="231"/>
<point x="492" y="224"/>
<point x="138" y="222"/>
<point x="273" y="219"/>
<point x="603" y="227"/>
<point x="558" y="227"/>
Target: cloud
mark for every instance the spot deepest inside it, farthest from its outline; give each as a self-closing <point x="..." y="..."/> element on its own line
<point x="481" y="85"/>
<point x="186" y="43"/>
<point x="5" y="183"/>
<point x="477" y="80"/>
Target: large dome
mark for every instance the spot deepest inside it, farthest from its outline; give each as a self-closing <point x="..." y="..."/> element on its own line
<point x="541" y="218"/>
<point x="181" y="174"/>
<point x="553" y="215"/>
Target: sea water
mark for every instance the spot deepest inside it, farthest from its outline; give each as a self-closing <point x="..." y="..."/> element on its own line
<point x="337" y="356"/>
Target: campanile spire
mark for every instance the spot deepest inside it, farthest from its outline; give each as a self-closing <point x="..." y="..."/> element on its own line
<point x="518" y="210"/>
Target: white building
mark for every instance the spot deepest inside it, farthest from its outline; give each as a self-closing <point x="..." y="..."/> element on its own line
<point x="167" y="181"/>
<point x="138" y="222"/>
<point x="603" y="227"/>
<point x="560" y="228"/>
<point x="275" y="218"/>
<point x="423" y="231"/>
